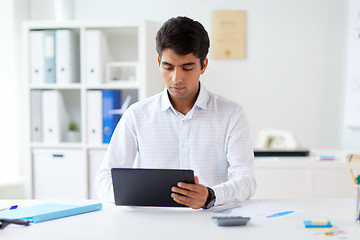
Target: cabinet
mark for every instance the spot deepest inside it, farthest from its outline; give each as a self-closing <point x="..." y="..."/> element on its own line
<point x="58" y="174"/>
<point x="304" y="177"/>
<point x="67" y="68"/>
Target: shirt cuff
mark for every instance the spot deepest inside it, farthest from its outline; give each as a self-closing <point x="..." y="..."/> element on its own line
<point x="219" y="194"/>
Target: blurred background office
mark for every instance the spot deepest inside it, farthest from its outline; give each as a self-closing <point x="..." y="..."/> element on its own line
<point x="293" y="77"/>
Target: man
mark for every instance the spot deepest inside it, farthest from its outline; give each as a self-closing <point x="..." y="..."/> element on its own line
<point x="185" y="127"/>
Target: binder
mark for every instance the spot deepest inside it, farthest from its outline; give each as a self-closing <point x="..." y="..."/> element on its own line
<point x="36" y="115"/>
<point x="94" y="117"/>
<point x="124" y="106"/>
<point x="96" y="55"/>
<point x="111" y="100"/>
<point x="67" y="57"/>
<point x="48" y="211"/>
<point x="37" y="57"/>
<point x="54" y="117"/>
<point x="49" y="56"/>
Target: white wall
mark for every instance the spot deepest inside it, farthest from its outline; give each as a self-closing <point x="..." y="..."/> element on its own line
<point x="11" y="125"/>
<point x="351" y="128"/>
<point x="292" y="77"/>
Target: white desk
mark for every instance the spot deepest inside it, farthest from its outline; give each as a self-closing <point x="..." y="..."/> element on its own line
<point x="114" y="222"/>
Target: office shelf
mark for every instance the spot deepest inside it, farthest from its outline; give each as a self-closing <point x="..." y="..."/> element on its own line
<point x="131" y="66"/>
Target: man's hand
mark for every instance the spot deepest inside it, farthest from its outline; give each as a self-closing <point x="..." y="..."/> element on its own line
<point x="192" y="195"/>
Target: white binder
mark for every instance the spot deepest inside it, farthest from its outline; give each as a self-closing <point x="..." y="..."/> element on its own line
<point x="36" y="115"/>
<point x="37" y="63"/>
<point x="49" y="56"/>
<point x="67" y="57"/>
<point x="54" y="117"/>
<point x="96" y="55"/>
<point x="94" y="116"/>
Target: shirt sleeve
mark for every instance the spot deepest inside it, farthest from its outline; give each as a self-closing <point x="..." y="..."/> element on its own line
<point x="241" y="184"/>
<point x="121" y="153"/>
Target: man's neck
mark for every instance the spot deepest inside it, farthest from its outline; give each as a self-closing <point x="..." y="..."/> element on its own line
<point x="183" y="105"/>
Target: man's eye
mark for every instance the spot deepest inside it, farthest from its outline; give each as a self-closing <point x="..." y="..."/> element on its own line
<point x="167" y="68"/>
<point x="187" y="69"/>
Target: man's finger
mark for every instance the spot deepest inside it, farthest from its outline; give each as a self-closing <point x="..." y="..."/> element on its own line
<point x="182" y="199"/>
<point x="183" y="191"/>
<point x="187" y="201"/>
<point x="196" y="180"/>
<point x="189" y="186"/>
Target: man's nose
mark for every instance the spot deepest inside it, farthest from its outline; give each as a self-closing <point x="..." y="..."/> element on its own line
<point x="177" y="76"/>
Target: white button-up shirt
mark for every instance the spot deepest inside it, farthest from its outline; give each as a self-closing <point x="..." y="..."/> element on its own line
<point x="212" y="139"/>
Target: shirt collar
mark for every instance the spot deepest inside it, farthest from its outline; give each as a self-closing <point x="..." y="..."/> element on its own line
<point x="203" y="97"/>
<point x="165" y="101"/>
<point x="201" y="100"/>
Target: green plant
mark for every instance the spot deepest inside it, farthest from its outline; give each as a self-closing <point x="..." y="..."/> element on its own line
<point x="73" y="126"/>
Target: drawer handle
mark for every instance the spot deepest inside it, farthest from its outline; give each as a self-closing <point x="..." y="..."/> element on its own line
<point x="58" y="155"/>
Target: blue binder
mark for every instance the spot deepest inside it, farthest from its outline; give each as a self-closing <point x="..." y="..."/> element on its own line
<point x="49" y="56"/>
<point x="111" y="100"/>
<point x="48" y="211"/>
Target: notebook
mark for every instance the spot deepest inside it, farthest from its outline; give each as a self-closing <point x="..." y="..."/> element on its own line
<point x="48" y="211"/>
<point x="147" y="187"/>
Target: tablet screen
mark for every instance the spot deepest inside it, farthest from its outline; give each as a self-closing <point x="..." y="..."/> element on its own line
<point x="148" y="187"/>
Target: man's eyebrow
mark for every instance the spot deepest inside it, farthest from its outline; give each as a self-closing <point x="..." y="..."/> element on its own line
<point x="166" y="63"/>
<point x="185" y="64"/>
<point x="188" y="64"/>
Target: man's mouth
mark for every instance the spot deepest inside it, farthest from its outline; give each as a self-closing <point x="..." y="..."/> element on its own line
<point x="177" y="89"/>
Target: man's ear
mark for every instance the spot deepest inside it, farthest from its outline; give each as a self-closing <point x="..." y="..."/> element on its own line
<point x="159" y="59"/>
<point x="205" y="63"/>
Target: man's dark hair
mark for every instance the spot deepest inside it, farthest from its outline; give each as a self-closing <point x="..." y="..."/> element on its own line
<point x="183" y="35"/>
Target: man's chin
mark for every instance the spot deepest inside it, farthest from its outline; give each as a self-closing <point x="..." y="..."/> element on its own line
<point x="177" y="91"/>
<point x="177" y="94"/>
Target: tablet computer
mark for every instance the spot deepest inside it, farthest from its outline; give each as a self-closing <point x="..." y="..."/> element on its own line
<point x="147" y="187"/>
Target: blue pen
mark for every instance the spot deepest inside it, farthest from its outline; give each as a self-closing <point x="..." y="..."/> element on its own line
<point x="279" y="214"/>
<point x="9" y="208"/>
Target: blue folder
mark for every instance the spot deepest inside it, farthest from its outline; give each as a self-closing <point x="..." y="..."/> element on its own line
<point x="48" y="211"/>
<point x="111" y="101"/>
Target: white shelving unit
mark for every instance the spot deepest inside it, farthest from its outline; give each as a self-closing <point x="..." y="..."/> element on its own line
<point x="66" y="169"/>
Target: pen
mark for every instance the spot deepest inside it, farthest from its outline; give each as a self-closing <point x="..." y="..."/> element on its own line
<point x="352" y="175"/>
<point x="9" y="208"/>
<point x="279" y="214"/>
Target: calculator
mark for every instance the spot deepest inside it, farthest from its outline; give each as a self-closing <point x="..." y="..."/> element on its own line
<point x="231" y="220"/>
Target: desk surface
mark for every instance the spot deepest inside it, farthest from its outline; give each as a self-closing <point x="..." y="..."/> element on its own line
<point x="179" y="223"/>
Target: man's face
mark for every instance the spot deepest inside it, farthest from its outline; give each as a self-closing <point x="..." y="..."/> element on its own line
<point x="181" y="74"/>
